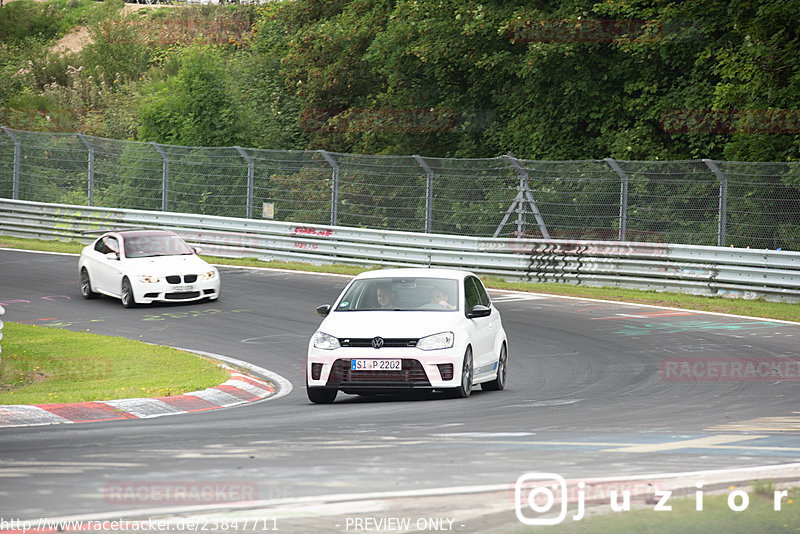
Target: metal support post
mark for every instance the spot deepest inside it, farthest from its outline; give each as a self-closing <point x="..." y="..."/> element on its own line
<point x="17" y="159"/>
<point x="623" y="196"/>
<point x="164" y="176"/>
<point x="334" y="186"/>
<point x="250" y="179"/>
<point x="90" y="187"/>
<point x="428" y="193"/>
<point x="723" y="200"/>
<point x="524" y="197"/>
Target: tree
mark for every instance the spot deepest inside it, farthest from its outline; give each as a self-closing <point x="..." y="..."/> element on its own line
<point x="196" y="107"/>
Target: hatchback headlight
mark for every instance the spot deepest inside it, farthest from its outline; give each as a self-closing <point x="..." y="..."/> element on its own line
<point x="148" y="279"/>
<point x="437" y="341"/>
<point x="210" y="275"/>
<point x="325" y="341"/>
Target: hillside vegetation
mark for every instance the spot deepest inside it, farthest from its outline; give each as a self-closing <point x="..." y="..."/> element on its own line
<point x="566" y="80"/>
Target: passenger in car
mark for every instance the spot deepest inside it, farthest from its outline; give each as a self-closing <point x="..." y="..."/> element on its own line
<point x="440" y="299"/>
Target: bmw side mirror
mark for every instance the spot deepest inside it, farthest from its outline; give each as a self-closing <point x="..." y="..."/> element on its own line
<point x="112" y="255"/>
<point x="324" y="310"/>
<point x="479" y="310"/>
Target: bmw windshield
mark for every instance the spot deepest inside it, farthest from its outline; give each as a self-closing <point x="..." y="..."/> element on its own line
<point x="144" y="246"/>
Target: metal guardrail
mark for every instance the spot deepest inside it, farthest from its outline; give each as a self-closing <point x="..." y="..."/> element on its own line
<point x="744" y="273"/>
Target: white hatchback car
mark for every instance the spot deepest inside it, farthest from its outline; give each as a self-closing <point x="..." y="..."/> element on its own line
<point x="406" y="329"/>
<point x="145" y="266"/>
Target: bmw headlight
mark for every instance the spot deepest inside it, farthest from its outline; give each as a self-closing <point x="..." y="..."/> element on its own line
<point x="148" y="279"/>
<point x="437" y="341"/>
<point x="325" y="341"/>
<point x="210" y="275"/>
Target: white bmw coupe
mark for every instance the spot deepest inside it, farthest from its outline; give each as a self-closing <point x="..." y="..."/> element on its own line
<point x="408" y="329"/>
<point x="145" y="266"/>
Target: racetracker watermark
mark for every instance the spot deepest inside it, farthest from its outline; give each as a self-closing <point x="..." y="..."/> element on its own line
<point x="171" y="31"/>
<point x="729" y="369"/>
<point x="543" y="498"/>
<point x="771" y="121"/>
<point x="393" y="120"/>
<point x="179" y="493"/>
<point x="585" y="31"/>
<point x="45" y="525"/>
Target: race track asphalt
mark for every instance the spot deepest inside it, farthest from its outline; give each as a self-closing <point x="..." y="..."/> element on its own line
<point x="590" y="394"/>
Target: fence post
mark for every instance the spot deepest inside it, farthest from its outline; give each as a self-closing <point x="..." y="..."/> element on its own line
<point x="17" y="159"/>
<point x="334" y="186"/>
<point x="164" y="176"/>
<point x="250" y="179"/>
<point x="623" y="196"/>
<point x="723" y="200"/>
<point x="90" y="188"/>
<point x="428" y="193"/>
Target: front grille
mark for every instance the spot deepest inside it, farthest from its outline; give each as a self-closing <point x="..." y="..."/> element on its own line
<point x="400" y="342"/>
<point x="412" y="375"/>
<point x="182" y="296"/>
<point x="187" y="279"/>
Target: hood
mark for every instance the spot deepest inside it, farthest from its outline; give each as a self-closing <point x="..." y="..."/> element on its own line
<point x="166" y="265"/>
<point x="389" y="324"/>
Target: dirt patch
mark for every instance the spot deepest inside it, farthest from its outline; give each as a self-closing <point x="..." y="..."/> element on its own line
<point x="23" y="380"/>
<point x="79" y="38"/>
<point x="72" y="42"/>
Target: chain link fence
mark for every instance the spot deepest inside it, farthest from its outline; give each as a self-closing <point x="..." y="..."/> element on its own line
<point x="699" y="202"/>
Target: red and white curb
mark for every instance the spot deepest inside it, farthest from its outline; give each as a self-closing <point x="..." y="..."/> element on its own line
<point x="239" y="389"/>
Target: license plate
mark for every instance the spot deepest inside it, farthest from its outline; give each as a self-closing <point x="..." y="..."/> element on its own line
<point x="376" y="365"/>
<point x="184" y="289"/>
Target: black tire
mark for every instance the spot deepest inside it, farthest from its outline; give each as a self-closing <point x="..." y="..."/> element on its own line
<point x="499" y="383"/>
<point x="465" y="388"/>
<point x="321" y="395"/>
<point x="127" y="298"/>
<point x="86" y="286"/>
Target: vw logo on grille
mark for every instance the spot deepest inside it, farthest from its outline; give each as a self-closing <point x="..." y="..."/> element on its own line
<point x="377" y="342"/>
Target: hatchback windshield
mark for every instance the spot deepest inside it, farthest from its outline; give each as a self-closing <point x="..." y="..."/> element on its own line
<point x="142" y="246"/>
<point x="401" y="294"/>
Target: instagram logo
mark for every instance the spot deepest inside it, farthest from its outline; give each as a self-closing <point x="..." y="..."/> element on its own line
<point x="537" y="493"/>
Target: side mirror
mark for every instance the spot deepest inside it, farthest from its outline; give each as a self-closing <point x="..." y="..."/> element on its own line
<point x="112" y="255"/>
<point x="324" y="310"/>
<point x="479" y="310"/>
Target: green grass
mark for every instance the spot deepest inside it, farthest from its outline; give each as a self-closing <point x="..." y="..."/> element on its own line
<point x="754" y="308"/>
<point x="44" y="365"/>
<point x="716" y="516"/>
<point x="72" y="247"/>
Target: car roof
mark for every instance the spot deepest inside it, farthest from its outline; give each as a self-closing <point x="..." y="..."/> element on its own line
<point x="418" y="272"/>
<point x="139" y="233"/>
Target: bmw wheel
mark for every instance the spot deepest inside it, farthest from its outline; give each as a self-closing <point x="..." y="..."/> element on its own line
<point x="86" y="285"/>
<point x="127" y="297"/>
